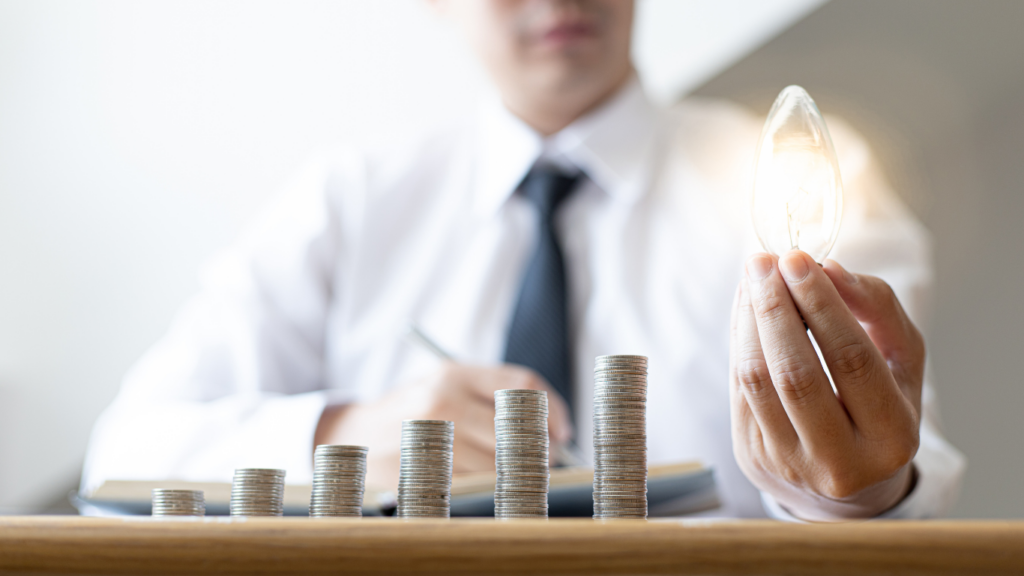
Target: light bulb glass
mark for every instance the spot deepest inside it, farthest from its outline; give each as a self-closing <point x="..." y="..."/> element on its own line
<point x="798" y="193"/>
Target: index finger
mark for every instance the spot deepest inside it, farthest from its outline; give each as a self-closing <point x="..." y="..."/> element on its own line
<point x="819" y="419"/>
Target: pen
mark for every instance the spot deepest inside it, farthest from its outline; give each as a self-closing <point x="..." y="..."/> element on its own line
<point x="568" y="454"/>
<point x="417" y="336"/>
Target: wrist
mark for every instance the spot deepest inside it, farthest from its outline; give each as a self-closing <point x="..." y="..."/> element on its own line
<point x="329" y="427"/>
<point x="868" y="503"/>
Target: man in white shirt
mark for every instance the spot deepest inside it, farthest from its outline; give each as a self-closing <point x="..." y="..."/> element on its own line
<point x="569" y="217"/>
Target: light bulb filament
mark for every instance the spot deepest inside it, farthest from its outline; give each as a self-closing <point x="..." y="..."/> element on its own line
<point x="794" y="234"/>
<point x="793" y="216"/>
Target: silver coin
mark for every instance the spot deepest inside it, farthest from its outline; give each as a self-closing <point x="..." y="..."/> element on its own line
<point x="521" y="453"/>
<point x="257" y="492"/>
<point x="620" y="437"/>
<point x="425" y="468"/>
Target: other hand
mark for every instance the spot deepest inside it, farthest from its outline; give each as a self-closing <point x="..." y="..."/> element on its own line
<point x="824" y="454"/>
<point x="456" y="392"/>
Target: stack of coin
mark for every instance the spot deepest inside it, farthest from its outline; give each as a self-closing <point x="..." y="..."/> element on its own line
<point x="178" y="502"/>
<point x="257" y="492"/>
<point x="425" y="477"/>
<point x="620" y="437"/>
<point x="521" y="454"/>
<point x="339" y="473"/>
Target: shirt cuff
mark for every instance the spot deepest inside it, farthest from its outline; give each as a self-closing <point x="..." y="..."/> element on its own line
<point x="939" y="468"/>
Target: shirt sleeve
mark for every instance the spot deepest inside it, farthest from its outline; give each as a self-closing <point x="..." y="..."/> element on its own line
<point x="880" y="237"/>
<point x="239" y="380"/>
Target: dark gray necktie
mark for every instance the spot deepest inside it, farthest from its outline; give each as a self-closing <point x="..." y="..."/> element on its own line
<point x="539" y="335"/>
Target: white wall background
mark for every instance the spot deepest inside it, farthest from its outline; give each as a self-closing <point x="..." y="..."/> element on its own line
<point x="136" y="137"/>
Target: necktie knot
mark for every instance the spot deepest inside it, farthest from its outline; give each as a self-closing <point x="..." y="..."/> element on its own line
<point x="547" y="187"/>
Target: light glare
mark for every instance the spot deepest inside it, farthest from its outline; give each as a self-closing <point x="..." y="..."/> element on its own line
<point x="798" y="193"/>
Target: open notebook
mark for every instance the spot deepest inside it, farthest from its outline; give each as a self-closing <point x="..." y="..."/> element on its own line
<point x="672" y="490"/>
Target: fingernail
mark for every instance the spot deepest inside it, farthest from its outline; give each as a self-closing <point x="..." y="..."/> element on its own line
<point x="846" y="276"/>
<point x="758" y="267"/>
<point x="850" y="278"/>
<point x="793" y="267"/>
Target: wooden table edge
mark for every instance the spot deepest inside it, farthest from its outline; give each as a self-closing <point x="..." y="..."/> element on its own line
<point x="218" y="545"/>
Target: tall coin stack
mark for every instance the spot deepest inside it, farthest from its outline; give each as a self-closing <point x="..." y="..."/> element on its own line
<point x="257" y="492"/>
<point x="620" y="437"/>
<point x="425" y="477"/>
<point x="339" y="473"/>
<point x="178" y="502"/>
<point x="521" y="455"/>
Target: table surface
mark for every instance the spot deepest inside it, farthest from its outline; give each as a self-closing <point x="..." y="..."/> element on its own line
<point x="220" y="545"/>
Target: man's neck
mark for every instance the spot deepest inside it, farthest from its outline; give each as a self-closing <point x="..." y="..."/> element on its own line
<point x="550" y="114"/>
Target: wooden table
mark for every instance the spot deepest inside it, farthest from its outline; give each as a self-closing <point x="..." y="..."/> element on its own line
<point x="217" y="545"/>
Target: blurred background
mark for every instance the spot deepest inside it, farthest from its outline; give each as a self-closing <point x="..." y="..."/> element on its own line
<point x="137" y="137"/>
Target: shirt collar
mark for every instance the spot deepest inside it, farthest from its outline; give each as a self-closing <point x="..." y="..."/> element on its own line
<point x="614" y="145"/>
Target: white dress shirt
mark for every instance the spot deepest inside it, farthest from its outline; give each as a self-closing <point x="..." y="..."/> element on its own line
<point x="310" y="307"/>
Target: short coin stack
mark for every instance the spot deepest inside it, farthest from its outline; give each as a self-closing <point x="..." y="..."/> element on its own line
<point x="620" y="437"/>
<point x="521" y="455"/>
<point x="178" y="502"/>
<point x="425" y="477"/>
<point x="257" y="492"/>
<point x="339" y="473"/>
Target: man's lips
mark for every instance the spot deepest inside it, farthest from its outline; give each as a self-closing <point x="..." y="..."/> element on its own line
<point x="567" y="33"/>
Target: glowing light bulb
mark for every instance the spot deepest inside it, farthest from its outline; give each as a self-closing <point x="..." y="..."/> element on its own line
<point x="798" y="193"/>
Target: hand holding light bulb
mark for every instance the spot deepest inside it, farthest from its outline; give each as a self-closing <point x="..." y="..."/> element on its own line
<point x="822" y="454"/>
